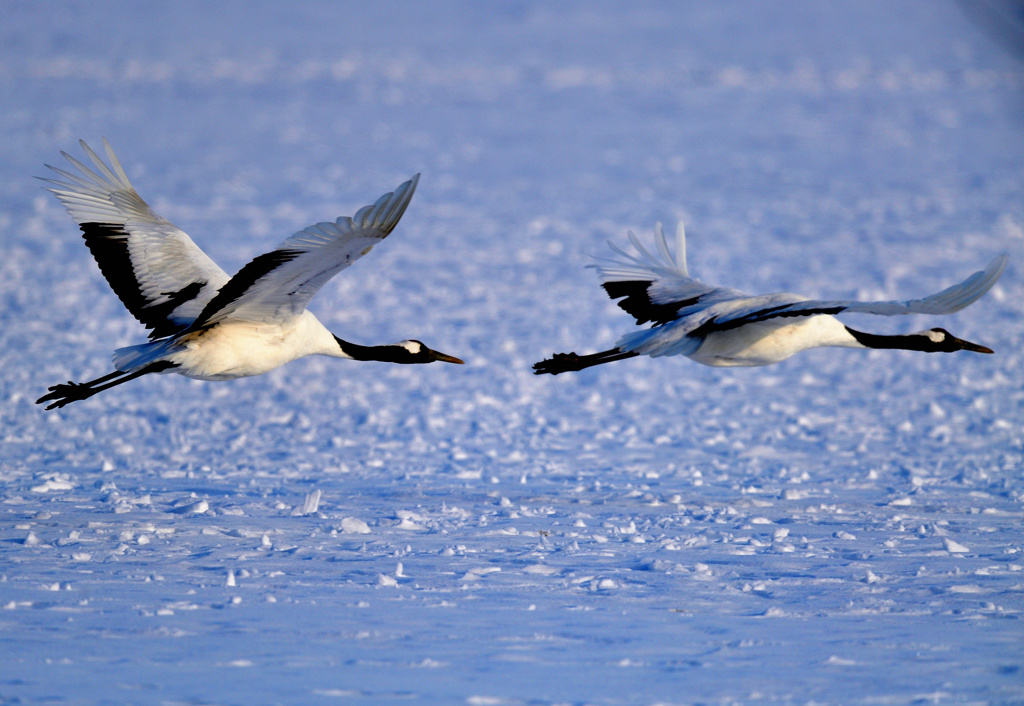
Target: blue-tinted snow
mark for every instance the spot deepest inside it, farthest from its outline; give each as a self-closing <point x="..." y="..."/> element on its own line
<point x="841" y="528"/>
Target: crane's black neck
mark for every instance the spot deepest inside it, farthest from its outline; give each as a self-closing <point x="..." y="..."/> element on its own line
<point x="406" y="352"/>
<point x="385" y="354"/>
<point x="922" y="341"/>
<point x="910" y="342"/>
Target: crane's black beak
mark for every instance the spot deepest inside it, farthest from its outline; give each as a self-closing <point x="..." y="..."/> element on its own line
<point x="968" y="346"/>
<point x="445" y="358"/>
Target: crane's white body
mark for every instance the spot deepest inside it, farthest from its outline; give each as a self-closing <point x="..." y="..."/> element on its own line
<point x="234" y="349"/>
<point x="205" y="324"/>
<point x="768" y="342"/>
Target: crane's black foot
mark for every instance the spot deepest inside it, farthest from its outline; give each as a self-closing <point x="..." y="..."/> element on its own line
<point x="558" y="363"/>
<point x="63" y="394"/>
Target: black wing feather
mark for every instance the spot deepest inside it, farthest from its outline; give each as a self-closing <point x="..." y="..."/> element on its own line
<point x="108" y="243"/>
<point x="240" y="283"/>
<point x="775" y="312"/>
<point x="637" y="302"/>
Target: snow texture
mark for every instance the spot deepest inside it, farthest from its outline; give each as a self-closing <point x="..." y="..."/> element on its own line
<point x="842" y="528"/>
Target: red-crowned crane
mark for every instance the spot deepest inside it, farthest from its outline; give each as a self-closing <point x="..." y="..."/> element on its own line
<point x="205" y="324"/>
<point x="725" y="327"/>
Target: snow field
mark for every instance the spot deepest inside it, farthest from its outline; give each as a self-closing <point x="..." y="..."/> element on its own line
<point x="841" y="528"/>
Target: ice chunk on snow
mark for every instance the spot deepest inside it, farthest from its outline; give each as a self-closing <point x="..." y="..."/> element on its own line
<point x="840" y="661"/>
<point x="954" y="547"/>
<point x="477" y="573"/>
<point x="353" y="525"/>
<point x="191" y="508"/>
<point x="540" y="569"/>
<point x="310" y="505"/>
<point x="57" y="482"/>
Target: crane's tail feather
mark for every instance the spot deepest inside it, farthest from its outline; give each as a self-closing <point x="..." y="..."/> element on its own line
<point x="132" y="358"/>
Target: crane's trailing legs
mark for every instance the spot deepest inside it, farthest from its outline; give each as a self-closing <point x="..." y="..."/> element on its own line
<point x="570" y="362"/>
<point x="66" y="393"/>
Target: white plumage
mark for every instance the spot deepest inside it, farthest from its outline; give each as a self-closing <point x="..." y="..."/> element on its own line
<point x="205" y="324"/>
<point x="724" y="327"/>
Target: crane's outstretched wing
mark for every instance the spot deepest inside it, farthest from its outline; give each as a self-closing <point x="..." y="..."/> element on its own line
<point x="656" y="287"/>
<point x="277" y="286"/>
<point x="160" y="275"/>
<point x="948" y="301"/>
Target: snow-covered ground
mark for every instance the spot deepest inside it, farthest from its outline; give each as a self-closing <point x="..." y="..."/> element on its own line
<point x="842" y="528"/>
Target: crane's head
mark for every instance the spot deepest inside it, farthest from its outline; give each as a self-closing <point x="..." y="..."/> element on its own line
<point x="939" y="340"/>
<point x="416" y="352"/>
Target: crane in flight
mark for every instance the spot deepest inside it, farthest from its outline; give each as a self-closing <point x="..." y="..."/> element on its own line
<point x="205" y="324"/>
<point x="718" y="326"/>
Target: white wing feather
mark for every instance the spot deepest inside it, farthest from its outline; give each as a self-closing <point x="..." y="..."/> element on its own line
<point x="668" y="274"/>
<point x="277" y="286"/>
<point x="948" y="301"/>
<point x="161" y="259"/>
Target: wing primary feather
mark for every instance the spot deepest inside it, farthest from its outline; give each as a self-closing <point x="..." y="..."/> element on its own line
<point x="394" y="207"/>
<point x="629" y="256"/>
<point x="73" y="178"/>
<point x="662" y="244"/>
<point x="681" y="250"/>
<point x="644" y="254"/>
<point x="116" y="164"/>
<point x="104" y="169"/>
<point x="383" y="206"/>
<point x="394" y="204"/>
<point x="88" y="173"/>
<point x="971" y="289"/>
